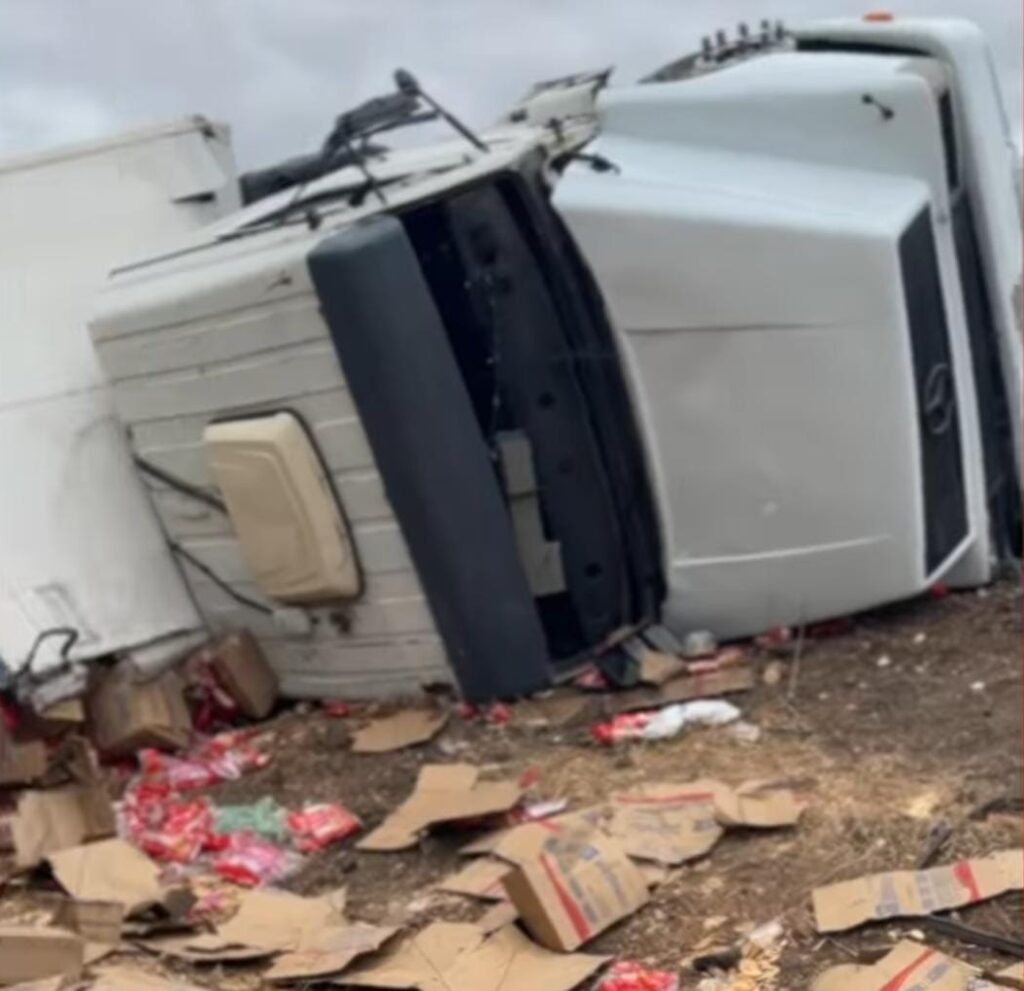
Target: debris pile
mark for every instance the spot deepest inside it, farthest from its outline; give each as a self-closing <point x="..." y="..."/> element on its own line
<point x="144" y="869"/>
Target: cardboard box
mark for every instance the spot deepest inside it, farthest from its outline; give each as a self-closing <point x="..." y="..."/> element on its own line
<point x="244" y="672"/>
<point x="668" y="823"/>
<point x="21" y="763"/>
<point x="443" y="793"/>
<point x="95" y="922"/>
<point x="125" y="715"/>
<point x="907" y="893"/>
<point x="570" y="884"/>
<point x="34" y="953"/>
<point x="23" y="759"/>
<point x="58" y="819"/>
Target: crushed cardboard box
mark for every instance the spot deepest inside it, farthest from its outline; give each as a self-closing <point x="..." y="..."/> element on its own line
<point x="328" y="952"/>
<point x="757" y="805"/>
<point x="420" y="960"/>
<point x="909" y="966"/>
<point x="243" y="671"/>
<point x="667" y="823"/>
<point x="458" y="957"/>
<point x="110" y="871"/>
<point x="125" y="715"/>
<point x="96" y="922"/>
<point x="443" y="793"/>
<point x="726" y="681"/>
<point x="908" y="893"/>
<point x="657" y="667"/>
<point x="481" y="878"/>
<point x="569" y="883"/>
<point x="670" y="823"/>
<point x="408" y="728"/>
<point x="33" y="953"/>
<point x="279" y="920"/>
<point x="47" y="822"/>
<point x="267" y="922"/>
<point x="21" y="763"/>
<point x="491" y="840"/>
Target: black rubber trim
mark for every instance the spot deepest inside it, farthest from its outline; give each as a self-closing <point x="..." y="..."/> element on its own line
<point x="942" y="469"/>
<point x="429" y="450"/>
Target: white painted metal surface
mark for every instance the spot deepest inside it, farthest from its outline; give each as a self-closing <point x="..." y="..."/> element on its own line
<point x="747" y="250"/>
<point x="79" y="542"/>
<point x="990" y="159"/>
<point x="232" y="327"/>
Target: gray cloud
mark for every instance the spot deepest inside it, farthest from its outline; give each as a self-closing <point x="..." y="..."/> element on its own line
<point x="279" y="70"/>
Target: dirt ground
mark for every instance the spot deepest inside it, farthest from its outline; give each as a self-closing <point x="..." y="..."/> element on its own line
<point x="911" y="717"/>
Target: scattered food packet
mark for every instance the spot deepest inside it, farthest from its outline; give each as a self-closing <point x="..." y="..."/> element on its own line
<point x="318" y="826"/>
<point x="629" y="976"/>
<point x="661" y="724"/>
<point x="250" y="861"/>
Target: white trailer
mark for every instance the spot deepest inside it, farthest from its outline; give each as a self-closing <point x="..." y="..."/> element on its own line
<point x="80" y="545"/>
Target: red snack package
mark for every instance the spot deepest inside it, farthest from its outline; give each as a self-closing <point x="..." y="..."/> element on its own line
<point x="317" y="826"/>
<point x="628" y="976"/>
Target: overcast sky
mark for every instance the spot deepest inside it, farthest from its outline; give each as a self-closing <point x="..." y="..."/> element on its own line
<point x="279" y="70"/>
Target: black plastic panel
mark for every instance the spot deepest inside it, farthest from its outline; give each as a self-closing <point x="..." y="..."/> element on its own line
<point x="429" y="450"/>
<point x="1001" y="485"/>
<point x="537" y="356"/>
<point x="938" y="413"/>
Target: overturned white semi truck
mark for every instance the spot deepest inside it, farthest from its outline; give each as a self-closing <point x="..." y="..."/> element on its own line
<point x="732" y="347"/>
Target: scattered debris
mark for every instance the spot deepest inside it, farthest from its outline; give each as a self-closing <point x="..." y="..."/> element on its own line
<point x="241" y="669"/>
<point x="109" y="871"/>
<point x="671" y="823"/>
<point x="908" y="965"/>
<point x="911" y="893"/>
<point x="459" y="957"/>
<point x="266" y="818"/>
<point x="326" y="952"/>
<point x="699" y="643"/>
<point x="408" y="728"/>
<point x="724" y="675"/>
<point x="746" y="732"/>
<point x="665" y="723"/>
<point x="773" y="639"/>
<point x="443" y="793"/>
<point x="975" y="937"/>
<point x="481" y="878"/>
<point x="569" y="884"/>
<point x="629" y="976"/>
<point x="31" y="953"/>
<point x="125" y="715"/>
<point x="657" y="668"/>
<point x="248" y="860"/>
<point x="774" y="672"/>
<point x="96" y="922"/>
<point x="318" y="826"/>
